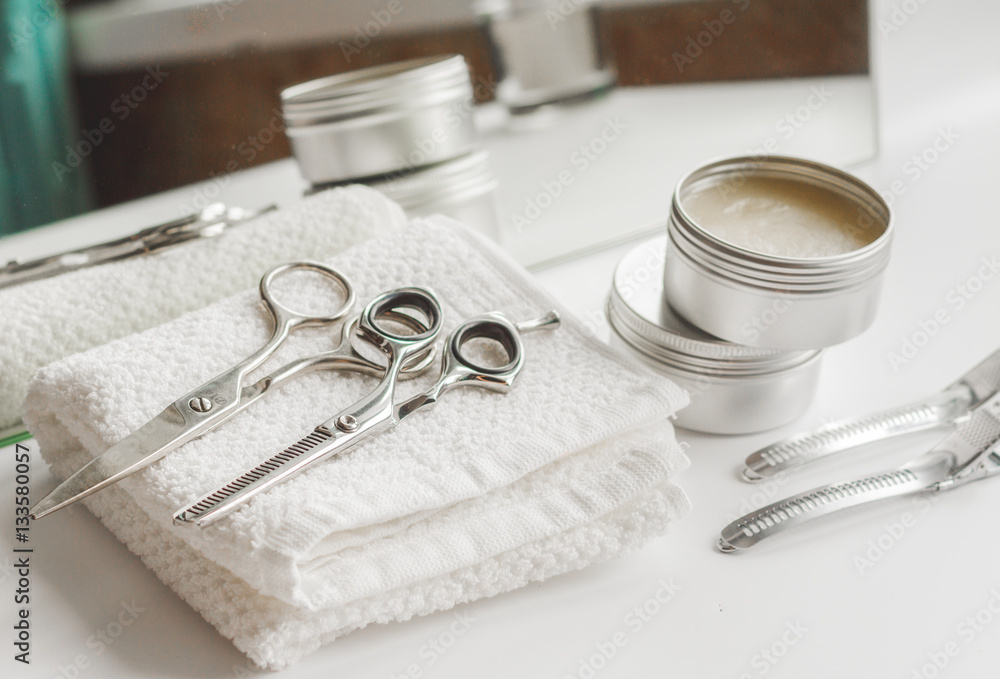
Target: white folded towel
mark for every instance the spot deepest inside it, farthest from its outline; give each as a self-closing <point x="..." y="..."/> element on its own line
<point x="475" y="497"/>
<point x="55" y="317"/>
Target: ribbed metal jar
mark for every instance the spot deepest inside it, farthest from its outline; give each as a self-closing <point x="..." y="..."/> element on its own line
<point x="767" y="300"/>
<point x="734" y="389"/>
<point x="380" y="120"/>
<point x="462" y="188"/>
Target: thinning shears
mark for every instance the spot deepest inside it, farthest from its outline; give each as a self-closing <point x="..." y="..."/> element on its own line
<point x="222" y="397"/>
<point x="378" y="411"/>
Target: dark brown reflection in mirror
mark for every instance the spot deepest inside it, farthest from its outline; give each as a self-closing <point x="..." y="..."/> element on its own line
<point x="216" y="68"/>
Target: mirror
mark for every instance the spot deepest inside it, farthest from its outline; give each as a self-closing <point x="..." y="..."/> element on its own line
<point x="172" y="92"/>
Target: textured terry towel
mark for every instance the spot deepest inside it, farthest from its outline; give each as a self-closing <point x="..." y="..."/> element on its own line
<point x="452" y="505"/>
<point x="52" y="318"/>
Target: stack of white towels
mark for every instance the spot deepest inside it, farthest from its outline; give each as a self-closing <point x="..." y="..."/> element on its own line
<point x="56" y="317"/>
<point x="478" y="496"/>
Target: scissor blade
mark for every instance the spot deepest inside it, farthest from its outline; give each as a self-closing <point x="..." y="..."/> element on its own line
<point x="320" y="443"/>
<point x="137" y="450"/>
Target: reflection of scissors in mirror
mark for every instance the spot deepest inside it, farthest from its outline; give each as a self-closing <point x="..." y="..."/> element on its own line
<point x="378" y="412"/>
<point x="220" y="398"/>
<point x="213" y="221"/>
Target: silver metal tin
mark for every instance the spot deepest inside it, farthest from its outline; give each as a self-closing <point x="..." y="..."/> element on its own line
<point x="770" y="301"/>
<point x="547" y="52"/>
<point x="379" y="120"/>
<point x="462" y="188"/>
<point x="734" y="389"/>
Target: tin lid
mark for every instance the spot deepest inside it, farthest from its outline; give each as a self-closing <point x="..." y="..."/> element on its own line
<point x="638" y="313"/>
<point x="743" y="266"/>
<point x="415" y="83"/>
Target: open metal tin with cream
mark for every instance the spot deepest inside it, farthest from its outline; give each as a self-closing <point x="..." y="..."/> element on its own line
<point x="776" y="252"/>
<point x="734" y="389"/>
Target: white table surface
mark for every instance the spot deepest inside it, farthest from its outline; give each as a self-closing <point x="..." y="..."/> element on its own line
<point x="803" y="596"/>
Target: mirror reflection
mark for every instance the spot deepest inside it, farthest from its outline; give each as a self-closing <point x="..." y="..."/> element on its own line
<point x="587" y="112"/>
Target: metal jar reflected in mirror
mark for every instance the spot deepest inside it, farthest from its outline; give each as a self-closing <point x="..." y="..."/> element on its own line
<point x="405" y="128"/>
<point x="378" y="120"/>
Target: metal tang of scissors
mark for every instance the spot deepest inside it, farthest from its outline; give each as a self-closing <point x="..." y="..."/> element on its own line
<point x="969" y="453"/>
<point x="222" y="397"/>
<point x="213" y="221"/>
<point x="377" y="412"/>
<point x="950" y="406"/>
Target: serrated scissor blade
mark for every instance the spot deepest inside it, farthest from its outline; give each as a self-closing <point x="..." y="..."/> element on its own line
<point x="211" y="507"/>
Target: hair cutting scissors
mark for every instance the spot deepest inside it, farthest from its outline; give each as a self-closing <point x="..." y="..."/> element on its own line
<point x="214" y="402"/>
<point x="213" y="221"/>
<point x="378" y="412"/>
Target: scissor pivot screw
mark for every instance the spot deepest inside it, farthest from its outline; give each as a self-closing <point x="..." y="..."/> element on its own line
<point x="347" y="423"/>
<point x="200" y="405"/>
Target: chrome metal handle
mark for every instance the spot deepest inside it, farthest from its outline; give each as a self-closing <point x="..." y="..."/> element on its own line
<point x="286" y="318"/>
<point x="946" y="407"/>
<point x="364" y="419"/>
<point x="798" y="509"/>
<point x="459" y="369"/>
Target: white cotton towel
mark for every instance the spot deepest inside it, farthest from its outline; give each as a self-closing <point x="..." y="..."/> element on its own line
<point x="52" y="318"/>
<point x="477" y="496"/>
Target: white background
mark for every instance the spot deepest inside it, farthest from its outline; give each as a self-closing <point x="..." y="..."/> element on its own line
<point x="940" y="70"/>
